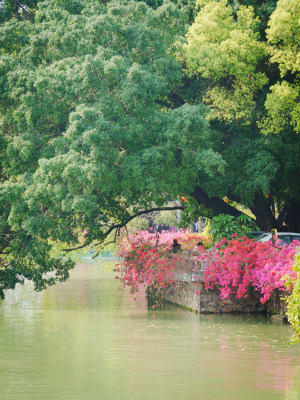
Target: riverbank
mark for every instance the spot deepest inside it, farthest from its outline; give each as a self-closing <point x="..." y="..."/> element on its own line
<point x="209" y="301"/>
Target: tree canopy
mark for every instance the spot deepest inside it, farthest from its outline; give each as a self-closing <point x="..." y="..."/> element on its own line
<point x="107" y="108"/>
<point x="239" y="55"/>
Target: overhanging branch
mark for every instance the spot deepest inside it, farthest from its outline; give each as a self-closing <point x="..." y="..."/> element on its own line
<point x="214" y="203"/>
<point x="124" y="223"/>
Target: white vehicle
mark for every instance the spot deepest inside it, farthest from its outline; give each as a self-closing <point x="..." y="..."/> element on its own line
<point x="285" y="237"/>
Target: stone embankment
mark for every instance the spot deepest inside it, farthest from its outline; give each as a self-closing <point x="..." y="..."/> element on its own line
<point x="194" y="296"/>
<point x="209" y="301"/>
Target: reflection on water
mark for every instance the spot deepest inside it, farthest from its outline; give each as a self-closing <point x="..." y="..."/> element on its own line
<point x="85" y="339"/>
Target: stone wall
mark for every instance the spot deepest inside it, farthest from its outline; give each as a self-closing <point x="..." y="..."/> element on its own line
<point x="209" y="301"/>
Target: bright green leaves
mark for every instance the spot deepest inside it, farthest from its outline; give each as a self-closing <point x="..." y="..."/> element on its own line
<point x="283" y="109"/>
<point x="293" y="304"/>
<point x="283" y="35"/>
<point x="223" y="226"/>
<point x="220" y="46"/>
<point x="224" y="47"/>
<point x="227" y="50"/>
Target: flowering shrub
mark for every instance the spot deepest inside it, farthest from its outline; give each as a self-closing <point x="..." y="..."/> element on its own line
<point x="240" y="263"/>
<point x="148" y="259"/>
<point x="233" y="266"/>
<point x="164" y="240"/>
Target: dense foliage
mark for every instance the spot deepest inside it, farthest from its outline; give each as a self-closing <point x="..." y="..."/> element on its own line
<point x="293" y="306"/>
<point x="245" y="56"/>
<point x="107" y="108"/>
<point x="24" y="9"/>
<point x="81" y="126"/>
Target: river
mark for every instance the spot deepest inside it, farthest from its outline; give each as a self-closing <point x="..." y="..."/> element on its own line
<point x="86" y="340"/>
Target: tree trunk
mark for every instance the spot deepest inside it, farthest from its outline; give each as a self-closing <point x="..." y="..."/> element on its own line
<point x="292" y="218"/>
<point x="214" y="203"/>
<point x="265" y="219"/>
<point x="288" y="220"/>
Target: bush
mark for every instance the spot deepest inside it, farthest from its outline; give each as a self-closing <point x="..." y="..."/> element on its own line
<point x="293" y="303"/>
<point x="224" y="226"/>
<point x="235" y="265"/>
<point x="239" y="263"/>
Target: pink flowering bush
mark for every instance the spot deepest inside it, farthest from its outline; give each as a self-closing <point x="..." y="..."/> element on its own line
<point x="233" y="266"/>
<point x="164" y="240"/>
<point x="148" y="258"/>
<point x="239" y="263"/>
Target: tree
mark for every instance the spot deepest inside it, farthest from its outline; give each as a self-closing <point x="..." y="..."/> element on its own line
<point x="240" y="65"/>
<point x="283" y="35"/>
<point x="81" y="127"/>
<point x="99" y="122"/>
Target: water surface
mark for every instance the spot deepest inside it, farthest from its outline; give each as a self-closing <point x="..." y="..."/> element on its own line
<point x="85" y="340"/>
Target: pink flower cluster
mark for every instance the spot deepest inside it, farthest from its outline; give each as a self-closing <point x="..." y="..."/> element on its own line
<point x="148" y="258"/>
<point x="233" y="265"/>
<point x="240" y="263"/>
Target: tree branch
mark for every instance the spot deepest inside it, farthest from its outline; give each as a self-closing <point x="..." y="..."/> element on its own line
<point x="174" y="100"/>
<point x="27" y="15"/>
<point x="215" y="203"/>
<point x="124" y="223"/>
<point x="117" y="233"/>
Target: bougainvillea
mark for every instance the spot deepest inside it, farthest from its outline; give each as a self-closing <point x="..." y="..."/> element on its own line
<point x="232" y="266"/>
<point x="148" y="259"/>
<point x="239" y="263"/>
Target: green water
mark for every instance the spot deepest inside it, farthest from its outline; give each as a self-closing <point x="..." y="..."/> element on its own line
<point x="86" y="340"/>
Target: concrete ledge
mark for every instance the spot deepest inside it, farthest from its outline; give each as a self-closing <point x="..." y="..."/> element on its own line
<point x="209" y="301"/>
<point x="280" y="319"/>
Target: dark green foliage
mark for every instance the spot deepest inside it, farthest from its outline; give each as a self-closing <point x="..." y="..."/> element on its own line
<point x="24" y="9"/>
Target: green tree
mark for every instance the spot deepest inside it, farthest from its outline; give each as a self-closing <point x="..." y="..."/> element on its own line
<point x="99" y="122"/>
<point x="222" y="47"/>
<point x="283" y="35"/>
<point x="82" y="127"/>
<point x="240" y="55"/>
